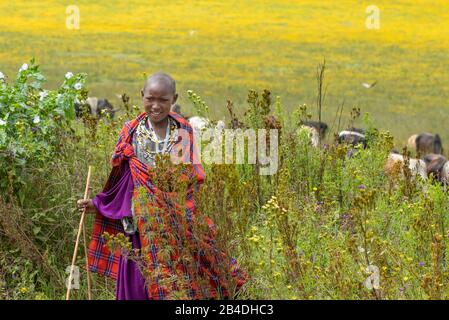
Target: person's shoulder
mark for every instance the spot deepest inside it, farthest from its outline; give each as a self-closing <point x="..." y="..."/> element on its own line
<point x="133" y="122"/>
<point x="182" y="122"/>
<point x="126" y="126"/>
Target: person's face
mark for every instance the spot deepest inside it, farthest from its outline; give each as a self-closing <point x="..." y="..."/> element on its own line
<point x="157" y="101"/>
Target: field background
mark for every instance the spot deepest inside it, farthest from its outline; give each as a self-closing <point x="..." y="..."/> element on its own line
<point x="308" y="232"/>
<point x="221" y="49"/>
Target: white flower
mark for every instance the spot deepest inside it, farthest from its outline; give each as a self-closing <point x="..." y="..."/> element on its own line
<point x="23" y="67"/>
<point x="59" y="99"/>
<point x="78" y="86"/>
<point x="2" y="76"/>
<point x="68" y="75"/>
<point x="36" y="119"/>
<point x="2" y="122"/>
<point x="43" y="95"/>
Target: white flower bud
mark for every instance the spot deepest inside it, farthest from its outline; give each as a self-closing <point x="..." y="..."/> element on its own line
<point x="43" y="95"/>
<point x="23" y="67"/>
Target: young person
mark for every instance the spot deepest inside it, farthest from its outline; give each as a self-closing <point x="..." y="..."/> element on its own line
<point x="155" y="131"/>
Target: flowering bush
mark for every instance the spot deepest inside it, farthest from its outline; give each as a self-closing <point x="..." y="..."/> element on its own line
<point x="33" y="121"/>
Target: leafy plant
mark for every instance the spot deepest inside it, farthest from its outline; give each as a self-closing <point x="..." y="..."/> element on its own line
<point x="33" y="122"/>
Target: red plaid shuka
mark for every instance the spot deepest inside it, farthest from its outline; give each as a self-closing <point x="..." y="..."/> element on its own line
<point x="105" y="262"/>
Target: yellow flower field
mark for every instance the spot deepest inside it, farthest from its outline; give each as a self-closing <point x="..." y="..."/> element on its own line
<point x="220" y="49"/>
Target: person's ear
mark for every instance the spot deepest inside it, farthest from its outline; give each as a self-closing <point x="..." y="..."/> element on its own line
<point x="175" y="98"/>
<point x="141" y="92"/>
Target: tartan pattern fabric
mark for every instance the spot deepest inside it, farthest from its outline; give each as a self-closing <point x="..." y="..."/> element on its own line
<point x="103" y="261"/>
<point x="100" y="258"/>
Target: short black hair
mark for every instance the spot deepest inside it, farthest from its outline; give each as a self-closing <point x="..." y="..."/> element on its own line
<point x="161" y="77"/>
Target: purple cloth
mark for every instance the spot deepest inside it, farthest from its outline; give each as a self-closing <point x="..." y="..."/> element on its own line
<point x="130" y="282"/>
<point x="116" y="204"/>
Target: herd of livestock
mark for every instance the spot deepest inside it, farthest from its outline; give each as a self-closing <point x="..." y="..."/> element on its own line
<point x="430" y="161"/>
<point x="428" y="148"/>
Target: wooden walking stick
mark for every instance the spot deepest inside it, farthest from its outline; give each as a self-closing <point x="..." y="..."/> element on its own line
<point x="80" y="229"/>
<point x="89" y="290"/>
